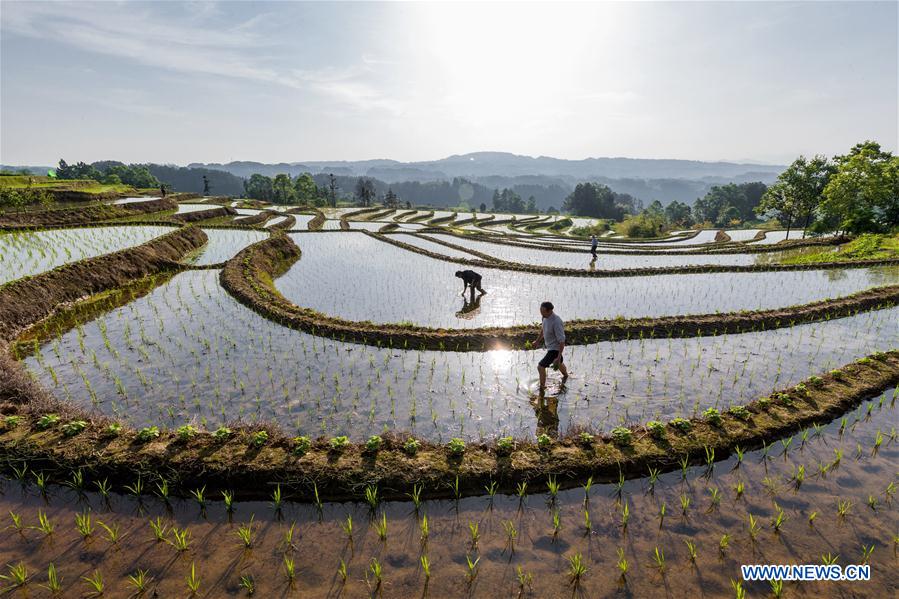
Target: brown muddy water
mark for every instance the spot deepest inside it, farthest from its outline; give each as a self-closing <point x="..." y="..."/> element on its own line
<point x="865" y="476"/>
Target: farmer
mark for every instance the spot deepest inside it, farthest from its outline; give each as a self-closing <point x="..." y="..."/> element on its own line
<point x="470" y="277"/>
<point x="162" y="190"/>
<point x="553" y="337"/>
<point x="593" y="244"/>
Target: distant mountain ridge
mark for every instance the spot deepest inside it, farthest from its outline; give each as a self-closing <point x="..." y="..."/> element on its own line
<point x="503" y="164"/>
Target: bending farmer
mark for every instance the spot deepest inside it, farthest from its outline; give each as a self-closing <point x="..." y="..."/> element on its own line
<point x="553" y="336"/>
<point x="470" y="277"/>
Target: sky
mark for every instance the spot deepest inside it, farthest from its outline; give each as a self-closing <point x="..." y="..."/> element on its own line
<point x="174" y="82"/>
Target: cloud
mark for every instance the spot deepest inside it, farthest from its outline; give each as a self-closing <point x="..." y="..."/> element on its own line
<point x="186" y="43"/>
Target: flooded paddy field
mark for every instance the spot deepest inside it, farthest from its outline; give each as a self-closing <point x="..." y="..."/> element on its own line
<point x="361" y="282"/>
<point x="827" y="495"/>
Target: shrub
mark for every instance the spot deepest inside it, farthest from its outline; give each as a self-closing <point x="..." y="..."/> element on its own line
<point x="816" y="381"/>
<point x="12" y="421"/>
<point x="739" y="412"/>
<point x="621" y="435"/>
<point x="505" y="445"/>
<point x="764" y="402"/>
<point x="70" y="429"/>
<point x="712" y="416"/>
<point x="186" y="432"/>
<point x="865" y="361"/>
<point x="456" y="446"/>
<point x="801" y="389"/>
<point x="259" y="438"/>
<point x="339" y="443"/>
<point x="221" y="433"/>
<point x="411" y="446"/>
<point x="544" y="441"/>
<point x="373" y="444"/>
<point x="879" y="355"/>
<point x="113" y="430"/>
<point x="681" y="424"/>
<point x="586" y="439"/>
<point x="147" y="433"/>
<point x="837" y="374"/>
<point x="301" y="445"/>
<point x="656" y="429"/>
<point x="47" y="420"/>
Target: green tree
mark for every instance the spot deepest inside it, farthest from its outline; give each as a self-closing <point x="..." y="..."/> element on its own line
<point x="797" y="193"/>
<point x="531" y="206"/>
<point x="862" y="196"/>
<point x="390" y="199"/>
<point x="780" y="203"/>
<point x="365" y="191"/>
<point x="258" y="187"/>
<point x="593" y="199"/>
<point x="679" y="214"/>
<point x="282" y="189"/>
<point x="305" y="189"/>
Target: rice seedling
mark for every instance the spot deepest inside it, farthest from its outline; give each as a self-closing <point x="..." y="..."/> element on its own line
<point x="381" y="527"/>
<point x="103" y="488"/>
<point x="228" y="498"/>
<point x="779" y="519"/>
<point x="113" y="532"/>
<point x="248" y="584"/>
<point x="472" y="568"/>
<point x="180" y="539"/>
<point x="587" y="485"/>
<point x="199" y="496"/>
<point x="521" y="490"/>
<point x="44" y="523"/>
<point x="715" y="497"/>
<point x="829" y="559"/>
<point x="723" y="543"/>
<point x="136" y="488"/>
<point x="684" y="503"/>
<point x="739" y="489"/>
<point x="371" y="496"/>
<point x="289" y="569"/>
<point x="867" y="550"/>
<point x="691" y="550"/>
<point x="777" y="588"/>
<point x="491" y="489"/>
<point x="525" y="580"/>
<point x="341" y="571"/>
<point x="653" y="477"/>
<point x="625" y="515"/>
<point x="474" y="533"/>
<point x="576" y="568"/>
<point x="622" y="563"/>
<point x="552" y="486"/>
<point x="95" y="583"/>
<point x="811" y="518"/>
<point x="754" y="527"/>
<point x="17" y="575"/>
<point x="41" y="481"/>
<point x="192" y="580"/>
<point x="162" y="490"/>
<point x="843" y="508"/>
<point x="424" y="528"/>
<point x="416" y="495"/>
<point x="54" y="582"/>
<point x="347" y="526"/>
<point x="375" y="569"/>
<point x="739" y="591"/>
<point x="16" y="521"/>
<point x="245" y="533"/>
<point x="511" y="534"/>
<point x="276" y="498"/>
<point x="159" y="529"/>
<point x="84" y="525"/>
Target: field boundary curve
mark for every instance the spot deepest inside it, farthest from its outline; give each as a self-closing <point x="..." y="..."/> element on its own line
<point x="250" y="469"/>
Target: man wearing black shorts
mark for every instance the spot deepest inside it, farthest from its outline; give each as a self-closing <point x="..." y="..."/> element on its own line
<point x="553" y="336"/>
<point x="470" y="277"/>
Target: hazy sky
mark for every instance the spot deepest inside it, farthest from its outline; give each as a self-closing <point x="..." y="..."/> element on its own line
<point x="173" y="82"/>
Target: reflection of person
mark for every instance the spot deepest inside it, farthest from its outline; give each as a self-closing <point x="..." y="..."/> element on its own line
<point x="547" y="411"/>
<point x="470" y="277"/>
<point x="470" y="307"/>
<point x="593" y="244"/>
<point x="553" y="337"/>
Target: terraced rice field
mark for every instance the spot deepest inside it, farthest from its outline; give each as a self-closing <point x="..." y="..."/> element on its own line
<point x="163" y="433"/>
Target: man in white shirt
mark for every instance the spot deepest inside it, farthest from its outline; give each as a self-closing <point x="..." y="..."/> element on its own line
<point x="553" y="337"/>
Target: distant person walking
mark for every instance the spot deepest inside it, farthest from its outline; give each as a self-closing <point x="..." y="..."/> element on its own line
<point x="553" y="337"/>
<point x="470" y="278"/>
<point x="593" y="244"/>
<point x="162" y="190"/>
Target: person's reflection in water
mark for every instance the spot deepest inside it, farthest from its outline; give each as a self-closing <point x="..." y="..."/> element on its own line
<point x="547" y="411"/>
<point x="592" y="264"/>
<point x="471" y="305"/>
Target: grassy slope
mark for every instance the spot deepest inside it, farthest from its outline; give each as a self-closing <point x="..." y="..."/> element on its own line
<point x="866" y="247"/>
<point x="85" y="185"/>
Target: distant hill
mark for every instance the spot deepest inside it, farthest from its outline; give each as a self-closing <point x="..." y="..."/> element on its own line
<point x="547" y="179"/>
